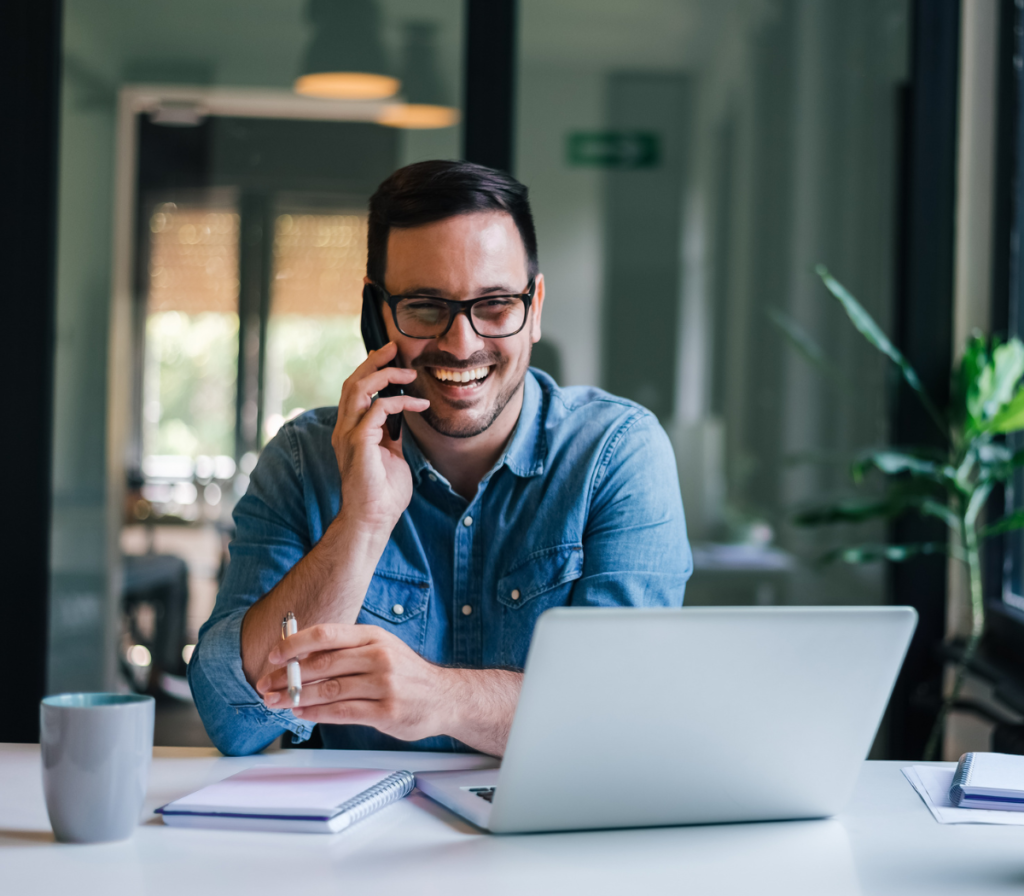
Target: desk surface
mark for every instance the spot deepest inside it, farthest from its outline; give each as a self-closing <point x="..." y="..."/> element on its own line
<point x="886" y="842"/>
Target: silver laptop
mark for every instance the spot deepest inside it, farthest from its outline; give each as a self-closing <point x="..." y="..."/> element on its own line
<point x="631" y="718"/>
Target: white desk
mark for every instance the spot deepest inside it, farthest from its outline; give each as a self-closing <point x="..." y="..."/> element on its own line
<point x="886" y="842"/>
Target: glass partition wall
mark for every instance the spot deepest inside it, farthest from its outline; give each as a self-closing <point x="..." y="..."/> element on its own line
<point x="689" y="163"/>
<point x="212" y="246"/>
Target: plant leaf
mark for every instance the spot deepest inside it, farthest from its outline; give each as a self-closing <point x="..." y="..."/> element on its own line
<point x="929" y="507"/>
<point x="990" y="453"/>
<point x="804" y="343"/>
<point x="998" y="463"/>
<point x="870" y="330"/>
<point x="1010" y="418"/>
<point x="900" y="499"/>
<point x="1006" y="524"/>
<point x="893" y="463"/>
<point x="964" y="471"/>
<point x="977" y="502"/>
<point x="895" y="553"/>
<point x="974" y="368"/>
<point x="1007" y="369"/>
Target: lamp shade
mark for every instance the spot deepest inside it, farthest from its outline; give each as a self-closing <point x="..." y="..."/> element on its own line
<point x="345" y="58"/>
<point x="427" y="104"/>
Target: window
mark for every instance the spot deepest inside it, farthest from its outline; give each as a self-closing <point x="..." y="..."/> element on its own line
<point x="250" y="261"/>
<point x="313" y="338"/>
<point x="190" y="356"/>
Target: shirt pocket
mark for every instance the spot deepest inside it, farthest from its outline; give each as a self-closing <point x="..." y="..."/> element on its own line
<point x="541" y="580"/>
<point x="398" y="603"/>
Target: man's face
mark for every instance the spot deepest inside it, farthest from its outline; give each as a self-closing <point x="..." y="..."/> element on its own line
<point x="461" y="258"/>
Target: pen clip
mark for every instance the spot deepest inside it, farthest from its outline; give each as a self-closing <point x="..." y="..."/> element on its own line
<point x="286" y="624"/>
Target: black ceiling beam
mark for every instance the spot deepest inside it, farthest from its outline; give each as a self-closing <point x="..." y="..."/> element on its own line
<point x="488" y="109"/>
<point x="30" y="57"/>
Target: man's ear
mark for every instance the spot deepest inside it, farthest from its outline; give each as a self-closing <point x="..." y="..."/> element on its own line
<point x="537" y="307"/>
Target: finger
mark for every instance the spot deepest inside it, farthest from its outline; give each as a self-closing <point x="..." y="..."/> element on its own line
<point x="375" y="360"/>
<point x="347" y="712"/>
<point x="382" y="408"/>
<point x="316" y="638"/>
<point x="357" y="394"/>
<point x="372" y="383"/>
<point x="386" y="375"/>
<point x="330" y="690"/>
<point x="318" y="666"/>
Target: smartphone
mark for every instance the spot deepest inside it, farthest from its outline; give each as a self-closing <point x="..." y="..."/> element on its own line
<point x="375" y="336"/>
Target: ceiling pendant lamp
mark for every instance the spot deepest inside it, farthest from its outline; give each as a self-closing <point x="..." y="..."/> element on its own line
<point x="426" y="102"/>
<point x="345" y="59"/>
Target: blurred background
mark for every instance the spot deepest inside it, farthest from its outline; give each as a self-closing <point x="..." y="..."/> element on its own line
<point x="689" y="162"/>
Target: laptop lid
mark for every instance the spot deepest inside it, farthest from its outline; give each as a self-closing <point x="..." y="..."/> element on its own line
<point x="652" y="717"/>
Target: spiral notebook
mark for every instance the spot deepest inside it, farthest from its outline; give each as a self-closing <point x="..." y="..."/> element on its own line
<point x="988" y="781"/>
<point x="303" y="800"/>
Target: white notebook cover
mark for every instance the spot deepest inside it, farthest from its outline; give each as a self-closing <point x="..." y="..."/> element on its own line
<point x="282" y="799"/>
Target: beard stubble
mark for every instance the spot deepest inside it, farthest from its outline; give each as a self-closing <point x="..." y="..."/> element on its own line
<point x="466" y="429"/>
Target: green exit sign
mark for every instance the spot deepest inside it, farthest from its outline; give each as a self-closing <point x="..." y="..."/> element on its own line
<point x="622" y="150"/>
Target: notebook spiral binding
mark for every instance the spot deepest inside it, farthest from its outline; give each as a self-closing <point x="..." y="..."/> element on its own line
<point x="960" y="778"/>
<point x="391" y="789"/>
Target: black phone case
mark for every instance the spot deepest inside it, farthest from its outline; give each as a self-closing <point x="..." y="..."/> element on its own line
<point x="375" y="336"/>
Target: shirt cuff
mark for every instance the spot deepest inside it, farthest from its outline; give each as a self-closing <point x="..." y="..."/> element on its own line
<point x="220" y="654"/>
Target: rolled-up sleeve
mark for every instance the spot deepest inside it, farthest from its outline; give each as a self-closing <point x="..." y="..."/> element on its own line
<point x="635" y="548"/>
<point x="271" y="537"/>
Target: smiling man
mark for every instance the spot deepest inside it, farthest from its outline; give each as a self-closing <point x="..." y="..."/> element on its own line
<point x="417" y="568"/>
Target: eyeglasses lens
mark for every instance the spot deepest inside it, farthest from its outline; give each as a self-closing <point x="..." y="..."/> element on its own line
<point x="426" y="318"/>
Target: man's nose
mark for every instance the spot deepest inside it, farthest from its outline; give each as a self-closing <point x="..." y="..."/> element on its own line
<point x="460" y="340"/>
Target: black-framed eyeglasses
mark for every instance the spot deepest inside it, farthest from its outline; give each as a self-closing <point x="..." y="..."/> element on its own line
<point x="429" y="317"/>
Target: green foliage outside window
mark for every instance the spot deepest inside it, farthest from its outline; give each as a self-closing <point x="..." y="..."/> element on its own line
<point x="308" y="360"/>
<point x="190" y="383"/>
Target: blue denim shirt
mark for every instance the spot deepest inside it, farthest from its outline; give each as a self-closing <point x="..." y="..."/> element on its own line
<point x="582" y="509"/>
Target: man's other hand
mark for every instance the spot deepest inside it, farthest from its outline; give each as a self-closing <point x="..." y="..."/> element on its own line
<point x="361" y="675"/>
<point x="376" y="484"/>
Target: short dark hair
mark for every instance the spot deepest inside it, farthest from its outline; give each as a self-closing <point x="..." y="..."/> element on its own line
<point x="426" y="192"/>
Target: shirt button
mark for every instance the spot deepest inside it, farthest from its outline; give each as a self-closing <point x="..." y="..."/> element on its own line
<point x="466" y="610"/>
<point x="431" y="477"/>
<point x="398" y="609"/>
<point x="467" y="521"/>
<point x="515" y="594"/>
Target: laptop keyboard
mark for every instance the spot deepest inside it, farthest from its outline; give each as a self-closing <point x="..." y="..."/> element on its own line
<point x="485" y="793"/>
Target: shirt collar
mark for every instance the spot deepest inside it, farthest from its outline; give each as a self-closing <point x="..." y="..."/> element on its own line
<point x="526" y="450"/>
<point x="413" y="456"/>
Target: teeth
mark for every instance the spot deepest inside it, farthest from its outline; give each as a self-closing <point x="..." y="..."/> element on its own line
<point x="460" y="376"/>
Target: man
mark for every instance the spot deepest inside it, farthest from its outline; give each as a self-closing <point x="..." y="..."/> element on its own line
<point x="417" y="568"/>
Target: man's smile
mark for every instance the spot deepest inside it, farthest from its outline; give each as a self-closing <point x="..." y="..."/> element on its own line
<point x="451" y="375"/>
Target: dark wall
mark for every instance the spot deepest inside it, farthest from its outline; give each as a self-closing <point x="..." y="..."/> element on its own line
<point x="30" y="47"/>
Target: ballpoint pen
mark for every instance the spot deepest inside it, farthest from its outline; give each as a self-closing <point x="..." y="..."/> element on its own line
<point x="289" y="627"/>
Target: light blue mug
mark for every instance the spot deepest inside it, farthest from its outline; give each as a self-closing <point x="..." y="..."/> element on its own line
<point x="96" y="751"/>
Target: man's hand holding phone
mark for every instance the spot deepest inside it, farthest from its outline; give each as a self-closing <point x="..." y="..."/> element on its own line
<point x="328" y="585"/>
<point x="376" y="484"/>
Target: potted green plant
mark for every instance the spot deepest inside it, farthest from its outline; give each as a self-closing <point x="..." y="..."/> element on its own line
<point x="951" y="484"/>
